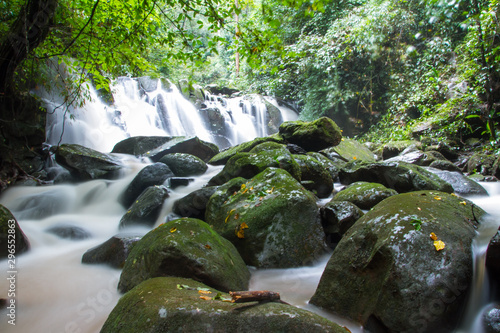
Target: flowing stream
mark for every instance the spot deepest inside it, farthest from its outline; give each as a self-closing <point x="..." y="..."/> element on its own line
<point x="55" y="293"/>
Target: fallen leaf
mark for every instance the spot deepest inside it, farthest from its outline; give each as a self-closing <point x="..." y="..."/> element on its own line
<point x="206" y="298"/>
<point x="433" y="236"/>
<point x="174" y="229"/>
<point x="463" y="203"/>
<point x="240" y="230"/>
<point x="437" y="198"/>
<point x="208" y="246"/>
<point x="439" y="245"/>
<point x="206" y="292"/>
<point x="229" y="215"/>
<point x="354" y="158"/>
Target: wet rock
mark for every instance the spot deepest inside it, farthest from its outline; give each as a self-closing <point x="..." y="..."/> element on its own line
<point x="491" y="319"/>
<point x="493" y="258"/>
<point x="9" y="227"/>
<point x="271" y="219"/>
<point x="249" y="164"/>
<point x="337" y="217"/>
<point x="394" y="148"/>
<point x="461" y="184"/>
<point x="364" y="195"/>
<point x="173" y="305"/>
<point x="194" y="204"/>
<point x="444" y="165"/>
<point x="85" y="163"/>
<point x="222" y="157"/>
<point x="312" y="170"/>
<point x="184" y="165"/>
<point x="153" y="174"/>
<point x="496" y="168"/>
<point x="185" y="248"/>
<point x="113" y="252"/>
<point x="400" y="176"/>
<point x="145" y="210"/>
<point x="193" y="146"/>
<point x="481" y="163"/>
<point x="350" y="150"/>
<point x="332" y="166"/>
<point x="388" y="267"/>
<point x="312" y="136"/>
<point x="140" y="145"/>
<point x="175" y="182"/>
<point x="413" y="156"/>
<point x="69" y="231"/>
<point x="147" y="83"/>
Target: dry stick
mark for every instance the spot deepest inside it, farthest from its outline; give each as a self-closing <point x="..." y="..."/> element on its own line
<point x="256" y="295"/>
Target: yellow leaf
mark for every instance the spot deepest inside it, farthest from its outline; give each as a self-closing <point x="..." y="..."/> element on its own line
<point x="206" y="298"/>
<point x="240" y="230"/>
<point x="439" y="245"/>
<point x="229" y="215"/>
<point x="174" y="229"/>
<point x="206" y="292"/>
<point x="243" y="186"/>
<point x="437" y="198"/>
<point x="354" y="158"/>
<point x="208" y="246"/>
<point x="433" y="236"/>
<point x="463" y="203"/>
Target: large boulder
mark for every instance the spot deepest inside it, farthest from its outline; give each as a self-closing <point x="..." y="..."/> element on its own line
<point x="332" y="166"/>
<point x="406" y="264"/>
<point x="194" y="204"/>
<point x="140" y="145"/>
<point x="150" y="175"/>
<point x="401" y="176"/>
<point x="350" y="150"/>
<point x="171" y="304"/>
<point x="185" y="248"/>
<point x="249" y="164"/>
<point x="146" y="209"/>
<point x="188" y="145"/>
<point x="112" y="252"/>
<point x="364" y="195"/>
<point x="316" y="135"/>
<point x="184" y="165"/>
<point x="271" y="219"/>
<point x="13" y="241"/>
<point x="85" y="164"/>
<point x="222" y="157"/>
<point x="394" y="148"/>
<point x="314" y="176"/>
<point x="461" y="184"/>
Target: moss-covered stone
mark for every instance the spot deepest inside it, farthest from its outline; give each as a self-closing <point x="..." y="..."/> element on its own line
<point x="140" y="145"/>
<point x="10" y="228"/>
<point x="320" y="181"/>
<point x="461" y="184"/>
<point x="113" y="252"/>
<point x="394" y="148"/>
<point x="249" y="164"/>
<point x="185" y="248"/>
<point x="84" y="163"/>
<point x="350" y="150"/>
<point x="481" y="163"/>
<point x="145" y="210"/>
<point x="389" y="265"/>
<point x="337" y="217"/>
<point x="222" y="157"/>
<point x="188" y="145"/>
<point x="184" y="165"/>
<point x="169" y="304"/>
<point x="316" y="135"/>
<point x="400" y="176"/>
<point x="332" y="166"/>
<point x="271" y="219"/>
<point x="364" y="195"/>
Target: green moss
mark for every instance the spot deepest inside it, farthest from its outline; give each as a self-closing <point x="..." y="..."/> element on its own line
<point x="222" y="157"/>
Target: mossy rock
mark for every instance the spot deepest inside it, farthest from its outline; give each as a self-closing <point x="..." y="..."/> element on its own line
<point x="395" y="148"/>
<point x="140" y="145"/>
<point x="337" y="217"/>
<point x="481" y="163"/>
<point x="391" y="266"/>
<point x="185" y="248"/>
<point x="364" y="195"/>
<point x="350" y="150"/>
<point x="271" y="219"/>
<point x="184" y="165"/>
<point x="247" y="165"/>
<point x="222" y="157"/>
<point x="171" y="304"/>
<point x="332" y="166"/>
<point x="146" y="209"/>
<point x="9" y="227"/>
<point x="312" y="171"/>
<point x="400" y="176"/>
<point x="316" y="135"/>
<point x="461" y="184"/>
<point x="85" y="164"/>
<point x="188" y="145"/>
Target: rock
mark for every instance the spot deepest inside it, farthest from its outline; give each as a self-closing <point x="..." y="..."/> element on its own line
<point x="69" y="231"/>
<point x="496" y="168"/>
<point x="194" y="204"/>
<point x="444" y="165"/>
<point x="193" y="146"/>
<point x="174" y="305"/>
<point x="402" y="177"/>
<point x="271" y="219"/>
<point x="337" y="217"/>
<point x="9" y="231"/>
<point x="493" y="258"/>
<point x="113" y="252"/>
<point x="350" y="150"/>
<point x="394" y="148"/>
<point x="222" y="157"/>
<point x="461" y="184"/>
<point x="185" y="248"/>
<point x="316" y="135"/>
<point x="221" y="90"/>
<point x="249" y="164"/>
<point x="140" y="145"/>
<point x="313" y="171"/>
<point x="175" y="182"/>
<point x="150" y="175"/>
<point x="332" y="166"/>
<point x="388" y="269"/>
<point x="86" y="164"/>
<point x="192" y="92"/>
<point x="145" y="210"/>
<point x="491" y="319"/>
<point x="481" y="163"/>
<point x="364" y="195"/>
<point x="275" y="117"/>
<point x="147" y="83"/>
<point x="412" y="156"/>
